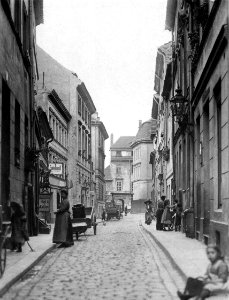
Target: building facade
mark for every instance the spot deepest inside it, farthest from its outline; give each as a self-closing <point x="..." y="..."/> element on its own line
<point x="161" y="158"/>
<point x="76" y="99"/>
<point x="118" y="173"/>
<point x="200" y="73"/>
<point x="142" y="146"/>
<point x="18" y="21"/>
<point x="58" y="118"/>
<point x="98" y="137"/>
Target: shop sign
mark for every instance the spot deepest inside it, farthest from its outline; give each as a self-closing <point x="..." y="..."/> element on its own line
<point x="56" y="169"/>
<point x="44" y="202"/>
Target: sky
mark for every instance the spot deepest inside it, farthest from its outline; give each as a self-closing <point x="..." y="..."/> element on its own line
<point x="112" y="46"/>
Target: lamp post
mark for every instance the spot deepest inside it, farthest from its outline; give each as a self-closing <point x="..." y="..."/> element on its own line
<point x="179" y="107"/>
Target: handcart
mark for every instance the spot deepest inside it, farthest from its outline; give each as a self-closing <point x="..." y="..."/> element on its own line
<point x="83" y="218"/>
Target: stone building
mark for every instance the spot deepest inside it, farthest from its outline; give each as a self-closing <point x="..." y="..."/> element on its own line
<point x="118" y="173"/>
<point x="161" y="158"/>
<point x="200" y="75"/>
<point x="98" y="137"/>
<point x="76" y="99"/>
<point x="142" y="146"/>
<point x="59" y="118"/>
<point x="18" y="21"/>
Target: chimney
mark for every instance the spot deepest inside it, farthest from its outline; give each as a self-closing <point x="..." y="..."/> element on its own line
<point x="140" y="123"/>
<point x="112" y="139"/>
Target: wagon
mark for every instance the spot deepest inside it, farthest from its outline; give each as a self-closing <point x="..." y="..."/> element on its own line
<point x="83" y="218"/>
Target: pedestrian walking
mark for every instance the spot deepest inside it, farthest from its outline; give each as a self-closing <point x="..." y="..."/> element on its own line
<point x="166" y="218"/>
<point x="178" y="217"/>
<point x="104" y="216"/>
<point x="63" y="226"/>
<point x="159" y="213"/>
<point x="19" y="233"/>
<point x="214" y="282"/>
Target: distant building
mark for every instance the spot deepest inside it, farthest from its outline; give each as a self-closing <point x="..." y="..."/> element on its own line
<point x="98" y="137"/>
<point x="118" y="173"/>
<point x="76" y="99"/>
<point x="142" y="146"/>
<point x="59" y="118"/>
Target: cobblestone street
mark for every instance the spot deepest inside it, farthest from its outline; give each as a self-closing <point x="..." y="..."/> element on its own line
<point x="120" y="262"/>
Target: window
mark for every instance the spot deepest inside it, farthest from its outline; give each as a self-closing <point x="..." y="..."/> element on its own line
<point x="119" y="185"/>
<point x="217" y="95"/>
<point x="25" y="29"/>
<point x="118" y="170"/>
<point x="79" y="105"/>
<point x="83" y="110"/>
<point x="79" y="138"/>
<point x="118" y="153"/>
<point x="17" y="16"/>
<point x="17" y="134"/>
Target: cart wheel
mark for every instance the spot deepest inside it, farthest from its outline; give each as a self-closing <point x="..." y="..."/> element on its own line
<point x="2" y="259"/>
<point x="95" y="225"/>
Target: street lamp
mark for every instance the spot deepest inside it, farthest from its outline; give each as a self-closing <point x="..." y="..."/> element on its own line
<point x="179" y="107"/>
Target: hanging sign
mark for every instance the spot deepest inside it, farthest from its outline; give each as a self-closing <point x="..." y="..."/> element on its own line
<point x="56" y="169"/>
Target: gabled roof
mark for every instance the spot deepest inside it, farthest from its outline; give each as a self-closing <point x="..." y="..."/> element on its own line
<point x="53" y="96"/>
<point x="107" y="173"/>
<point x="146" y="130"/>
<point x="123" y="142"/>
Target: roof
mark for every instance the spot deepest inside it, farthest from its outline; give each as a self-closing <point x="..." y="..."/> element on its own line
<point x="166" y="50"/>
<point x="39" y="12"/>
<point x="86" y="96"/>
<point x="170" y="14"/>
<point x="53" y="96"/>
<point x="123" y="142"/>
<point x="107" y="173"/>
<point x="145" y="132"/>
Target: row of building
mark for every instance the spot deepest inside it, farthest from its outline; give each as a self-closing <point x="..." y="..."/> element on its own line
<point x="51" y="135"/>
<point x="186" y="150"/>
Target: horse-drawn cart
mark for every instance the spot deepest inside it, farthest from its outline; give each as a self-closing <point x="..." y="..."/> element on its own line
<point x="83" y="218"/>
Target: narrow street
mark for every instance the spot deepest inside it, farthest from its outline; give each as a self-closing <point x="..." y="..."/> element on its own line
<point x="120" y="262"/>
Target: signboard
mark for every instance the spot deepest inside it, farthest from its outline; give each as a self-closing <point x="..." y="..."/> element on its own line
<point x="56" y="169"/>
<point x="44" y="202"/>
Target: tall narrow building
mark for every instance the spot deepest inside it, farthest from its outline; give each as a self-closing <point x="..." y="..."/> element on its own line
<point x="98" y="137"/>
<point x="118" y="173"/>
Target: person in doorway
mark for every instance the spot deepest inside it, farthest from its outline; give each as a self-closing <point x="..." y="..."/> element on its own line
<point x="214" y="282"/>
<point x="166" y="218"/>
<point x="125" y="210"/>
<point x="19" y="232"/>
<point x="178" y="217"/>
<point x="63" y="226"/>
<point x="159" y="213"/>
<point x="104" y="216"/>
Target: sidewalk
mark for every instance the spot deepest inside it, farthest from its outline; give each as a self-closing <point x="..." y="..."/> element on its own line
<point x="187" y="255"/>
<point x="17" y="264"/>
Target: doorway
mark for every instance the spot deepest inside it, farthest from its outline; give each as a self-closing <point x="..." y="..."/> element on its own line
<point x="5" y="152"/>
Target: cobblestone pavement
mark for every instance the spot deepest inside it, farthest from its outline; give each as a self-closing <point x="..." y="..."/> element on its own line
<point x="120" y="263"/>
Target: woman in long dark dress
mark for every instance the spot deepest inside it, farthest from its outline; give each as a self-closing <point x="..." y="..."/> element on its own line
<point x="63" y="226"/>
<point x="159" y="213"/>
<point x="19" y="232"/>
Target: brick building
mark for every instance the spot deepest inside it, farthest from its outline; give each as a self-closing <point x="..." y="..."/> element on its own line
<point x="98" y="137"/>
<point x="118" y="173"/>
<point x="142" y="146"/>
<point x="18" y="21"/>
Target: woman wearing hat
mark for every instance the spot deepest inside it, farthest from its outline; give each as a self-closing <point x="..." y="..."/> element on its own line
<point x="63" y="226"/>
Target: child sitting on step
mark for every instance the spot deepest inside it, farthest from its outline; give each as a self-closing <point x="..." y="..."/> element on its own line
<point x="213" y="283"/>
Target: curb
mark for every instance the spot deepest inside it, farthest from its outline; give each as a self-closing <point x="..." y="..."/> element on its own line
<point x="6" y="287"/>
<point x="166" y="252"/>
